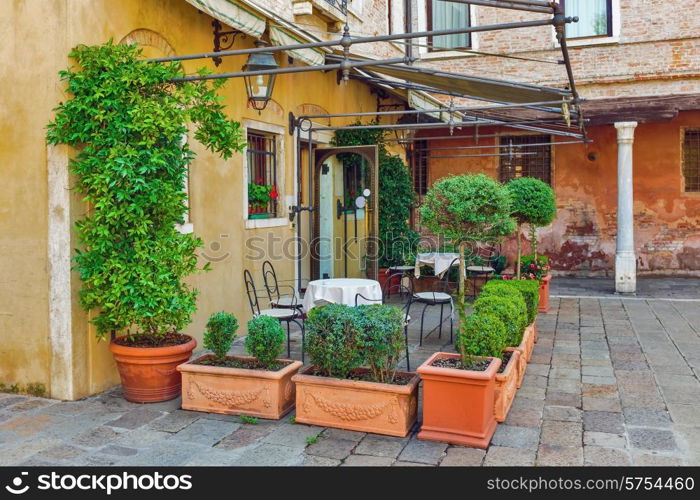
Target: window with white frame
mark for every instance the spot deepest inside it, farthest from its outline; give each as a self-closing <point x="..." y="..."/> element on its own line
<point x="263" y="187"/>
<point x="595" y="18"/>
<point x="445" y="15"/>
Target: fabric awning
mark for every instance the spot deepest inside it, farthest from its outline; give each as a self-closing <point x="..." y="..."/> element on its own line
<point x="234" y="15"/>
<point x="312" y="57"/>
<point x="473" y="87"/>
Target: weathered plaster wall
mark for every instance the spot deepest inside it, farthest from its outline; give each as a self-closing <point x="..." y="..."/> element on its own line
<point x="582" y="238"/>
<point x="38" y="51"/>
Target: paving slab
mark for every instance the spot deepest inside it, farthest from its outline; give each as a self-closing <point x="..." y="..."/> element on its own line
<point x="426" y="452"/>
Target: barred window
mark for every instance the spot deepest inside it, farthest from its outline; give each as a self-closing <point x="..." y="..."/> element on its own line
<point x="526" y="156"/>
<point x="691" y="161"/>
<point x="445" y="15"/>
<point x="419" y="162"/>
<point x="262" y="175"/>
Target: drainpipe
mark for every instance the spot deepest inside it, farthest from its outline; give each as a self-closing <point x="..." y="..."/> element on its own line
<point x="625" y="258"/>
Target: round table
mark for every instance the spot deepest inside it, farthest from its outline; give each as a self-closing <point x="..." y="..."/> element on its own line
<point x="341" y="291"/>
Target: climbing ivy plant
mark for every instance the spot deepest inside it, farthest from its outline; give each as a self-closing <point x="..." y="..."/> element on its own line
<point x="127" y="120"/>
<point x="396" y="196"/>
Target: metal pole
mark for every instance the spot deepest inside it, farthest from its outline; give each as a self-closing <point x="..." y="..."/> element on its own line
<point x="498" y="146"/>
<point x="356" y="40"/>
<point x="460" y="137"/>
<point x="518" y="125"/>
<point x="487" y="155"/>
<point x="509" y="4"/>
<point x="299" y="204"/>
<point x="293" y="69"/>
<point x="435" y="110"/>
<point x="408" y="25"/>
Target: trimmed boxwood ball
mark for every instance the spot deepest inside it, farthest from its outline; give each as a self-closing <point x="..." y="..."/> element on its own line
<point x="512" y="294"/>
<point x="506" y="309"/>
<point x="265" y="339"/>
<point x="332" y="340"/>
<point x="529" y="289"/>
<point x="482" y="334"/>
<point x="220" y="333"/>
<point x="381" y="333"/>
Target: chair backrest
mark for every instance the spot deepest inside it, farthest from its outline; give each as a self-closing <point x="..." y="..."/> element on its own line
<point x="405" y="294"/>
<point x="252" y="293"/>
<point x="270" y="280"/>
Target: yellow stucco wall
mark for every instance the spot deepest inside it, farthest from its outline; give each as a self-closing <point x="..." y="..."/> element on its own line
<point x="36" y="51"/>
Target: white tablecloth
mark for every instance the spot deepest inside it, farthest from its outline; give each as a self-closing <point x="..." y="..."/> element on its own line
<point x="341" y="291"/>
<point x="439" y="260"/>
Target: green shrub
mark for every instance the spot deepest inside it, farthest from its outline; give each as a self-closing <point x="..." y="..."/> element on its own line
<point x="481" y="334"/>
<point x="220" y="333"/>
<point x="381" y="338"/>
<point x="529" y="290"/>
<point x="265" y="339"/>
<point x="517" y="300"/>
<point x="332" y="340"/>
<point x="126" y="120"/>
<point x="506" y="309"/>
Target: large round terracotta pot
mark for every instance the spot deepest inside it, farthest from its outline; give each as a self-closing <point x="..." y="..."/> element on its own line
<point x="149" y="374"/>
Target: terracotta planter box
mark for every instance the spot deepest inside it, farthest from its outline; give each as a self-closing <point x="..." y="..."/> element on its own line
<point x="507" y="385"/>
<point x="544" y="294"/>
<point x="357" y="405"/>
<point x="238" y="391"/>
<point x="458" y="405"/>
<point x="525" y="349"/>
<point x="149" y="374"/>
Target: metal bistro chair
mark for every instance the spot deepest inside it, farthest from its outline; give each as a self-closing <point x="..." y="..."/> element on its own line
<point x="288" y="315"/>
<point x="485" y="271"/>
<point x="402" y="291"/>
<point x="272" y="286"/>
<point x="439" y="297"/>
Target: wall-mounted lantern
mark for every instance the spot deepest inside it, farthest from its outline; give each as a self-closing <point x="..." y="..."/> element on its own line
<point x="259" y="87"/>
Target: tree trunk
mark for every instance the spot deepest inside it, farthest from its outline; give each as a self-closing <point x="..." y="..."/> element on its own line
<point x="533" y="240"/>
<point x="517" y="265"/>
<point x="462" y="272"/>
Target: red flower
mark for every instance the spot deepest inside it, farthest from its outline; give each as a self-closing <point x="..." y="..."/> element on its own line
<point x="273" y="192"/>
<point x="352" y="192"/>
<point x="532" y="266"/>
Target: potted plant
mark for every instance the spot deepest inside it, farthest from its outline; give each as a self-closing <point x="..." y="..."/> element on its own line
<point x="259" y="385"/>
<point x="131" y="167"/>
<point x="336" y="391"/>
<point x="459" y="390"/>
<point x="536" y="267"/>
<point x="512" y="314"/>
<point x="259" y="196"/>
<point x="533" y="203"/>
<point x="530" y="291"/>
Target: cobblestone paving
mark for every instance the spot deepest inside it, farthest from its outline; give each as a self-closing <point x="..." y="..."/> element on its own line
<point x="612" y="382"/>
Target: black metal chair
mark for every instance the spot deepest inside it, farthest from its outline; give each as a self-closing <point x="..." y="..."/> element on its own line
<point x="439" y="297"/>
<point x="483" y="270"/>
<point x="288" y="315"/>
<point x="272" y="286"/>
<point x="402" y="291"/>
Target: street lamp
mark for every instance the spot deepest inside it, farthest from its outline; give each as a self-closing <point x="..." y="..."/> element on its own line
<point x="259" y="87"/>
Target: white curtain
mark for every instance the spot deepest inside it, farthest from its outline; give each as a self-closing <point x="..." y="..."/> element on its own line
<point x="592" y="18"/>
<point x="449" y="15"/>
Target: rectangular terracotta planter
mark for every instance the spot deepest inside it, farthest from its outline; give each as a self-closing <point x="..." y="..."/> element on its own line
<point x="544" y="294"/>
<point x="357" y="405"/>
<point x="507" y="385"/>
<point x="458" y="405"/>
<point x="238" y="391"/>
<point x="525" y="349"/>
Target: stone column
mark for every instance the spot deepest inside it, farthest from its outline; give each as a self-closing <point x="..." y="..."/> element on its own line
<point x="625" y="258"/>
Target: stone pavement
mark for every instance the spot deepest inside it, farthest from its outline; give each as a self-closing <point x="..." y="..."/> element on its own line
<point x="612" y="382"/>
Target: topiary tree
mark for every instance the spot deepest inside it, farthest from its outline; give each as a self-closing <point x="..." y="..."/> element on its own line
<point x="533" y="203"/>
<point x="381" y="330"/>
<point x="127" y="119"/>
<point x="265" y="339"/>
<point x="396" y="195"/>
<point x="467" y="208"/>
<point x="220" y="333"/>
<point x="332" y="340"/>
<point x="481" y="335"/>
